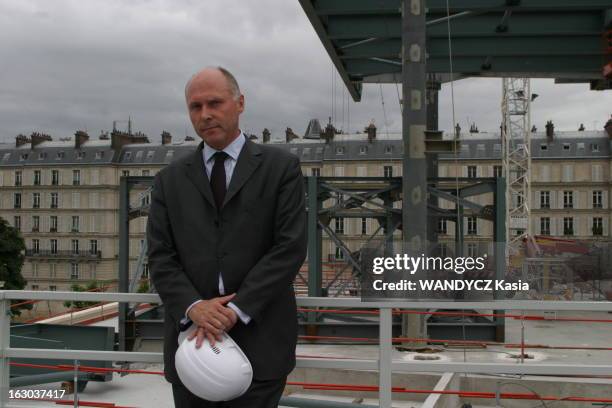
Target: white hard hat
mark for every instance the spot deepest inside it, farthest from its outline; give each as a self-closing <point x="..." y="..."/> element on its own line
<point x="215" y="373"/>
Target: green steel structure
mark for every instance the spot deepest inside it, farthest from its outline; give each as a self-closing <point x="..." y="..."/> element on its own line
<point x="561" y="39"/>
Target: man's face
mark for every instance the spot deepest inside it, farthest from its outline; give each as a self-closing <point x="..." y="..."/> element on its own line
<point x="213" y="108"/>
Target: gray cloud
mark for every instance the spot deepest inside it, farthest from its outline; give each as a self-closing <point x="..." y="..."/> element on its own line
<point x="69" y="64"/>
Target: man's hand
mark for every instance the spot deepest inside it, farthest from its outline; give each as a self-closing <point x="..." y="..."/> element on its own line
<point x="212" y="318"/>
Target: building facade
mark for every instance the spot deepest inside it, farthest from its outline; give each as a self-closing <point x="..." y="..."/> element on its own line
<point x="64" y="195"/>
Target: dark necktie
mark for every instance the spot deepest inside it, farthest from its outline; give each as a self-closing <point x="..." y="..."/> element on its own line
<point x="217" y="178"/>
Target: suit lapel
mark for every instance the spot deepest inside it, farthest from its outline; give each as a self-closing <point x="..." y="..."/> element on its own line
<point x="197" y="174"/>
<point x="248" y="160"/>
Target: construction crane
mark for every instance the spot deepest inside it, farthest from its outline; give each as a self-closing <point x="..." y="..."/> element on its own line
<point x="516" y="158"/>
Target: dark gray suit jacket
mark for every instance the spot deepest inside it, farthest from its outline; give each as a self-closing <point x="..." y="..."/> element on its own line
<point x="257" y="241"/>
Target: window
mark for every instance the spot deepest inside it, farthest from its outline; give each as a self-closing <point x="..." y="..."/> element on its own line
<point x="339" y="253"/>
<point x="76" y="200"/>
<point x="17" y="200"/>
<point x="544" y="199"/>
<point x="442" y="227"/>
<point x="543" y="146"/>
<point x="568" y="172"/>
<point x="566" y="147"/>
<point x="92" y="271"/>
<point x="53" y="223"/>
<point x="388" y="171"/>
<point x="125" y="173"/>
<point x="34" y="287"/>
<point x="35" y="200"/>
<point x="93" y="246"/>
<point x="545" y="226"/>
<point x="23" y="157"/>
<point x="35" y="223"/>
<point x="139" y="155"/>
<point x="145" y="270"/>
<point x="6" y="156"/>
<point x="596" y="172"/>
<point x="363" y="150"/>
<point x="17" y="178"/>
<point x="53" y="246"/>
<point x="60" y="155"/>
<point x="472" y="224"/>
<point x="580" y="146"/>
<point x="497" y="171"/>
<point x="54" y="200"/>
<point x="150" y="154"/>
<point x="497" y="148"/>
<point x="99" y="154"/>
<point x="597" y="226"/>
<point x="17" y="222"/>
<point x="52" y="288"/>
<point x="169" y="155"/>
<point x="594" y="147"/>
<point x="364" y="226"/>
<point x="128" y="155"/>
<point x="472" y="250"/>
<point x="145" y="173"/>
<point x="568" y="199"/>
<point x="388" y="149"/>
<point x="34" y="270"/>
<point x="35" y="246"/>
<point x="339" y="227"/>
<point x="597" y="199"/>
<point x="306" y="151"/>
<point x="480" y="148"/>
<point x="52" y="270"/>
<point x="315" y="172"/>
<point x="54" y="177"/>
<point x="80" y="155"/>
<point x="75" y="246"/>
<point x="75" y="223"/>
<point x="471" y="171"/>
<point x="36" y="178"/>
<point x="568" y="226"/>
<point x="340" y="150"/>
<point x="76" y="177"/>
<point x="293" y="151"/>
<point x="74" y="270"/>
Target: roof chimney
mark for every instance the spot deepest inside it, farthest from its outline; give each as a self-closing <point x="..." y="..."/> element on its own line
<point x="20" y="140"/>
<point x="80" y="137"/>
<point x="166" y="138"/>
<point x="550" y="130"/>
<point x="289" y="135"/>
<point x="266" y="135"/>
<point x="581" y="128"/>
<point x="608" y="127"/>
<point x="329" y="132"/>
<point x="371" y="131"/>
<point x="37" y="138"/>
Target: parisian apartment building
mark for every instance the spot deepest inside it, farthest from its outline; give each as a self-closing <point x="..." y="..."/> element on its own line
<point x="63" y="195"/>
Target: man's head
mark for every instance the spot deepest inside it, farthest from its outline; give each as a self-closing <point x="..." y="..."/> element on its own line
<point x="214" y="103"/>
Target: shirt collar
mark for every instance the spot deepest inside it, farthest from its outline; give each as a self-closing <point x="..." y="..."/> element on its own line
<point x="233" y="149"/>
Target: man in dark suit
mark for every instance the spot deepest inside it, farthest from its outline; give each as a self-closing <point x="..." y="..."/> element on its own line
<point x="226" y="236"/>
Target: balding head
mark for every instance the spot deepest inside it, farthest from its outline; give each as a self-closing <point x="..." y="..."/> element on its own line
<point x="214" y="103"/>
<point x="208" y="71"/>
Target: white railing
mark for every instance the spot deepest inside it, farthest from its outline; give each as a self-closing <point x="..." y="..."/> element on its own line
<point x="383" y="364"/>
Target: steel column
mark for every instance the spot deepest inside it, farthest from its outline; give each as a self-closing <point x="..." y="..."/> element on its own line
<point x="124" y="255"/>
<point x="414" y="119"/>
<point x="384" y="358"/>
<point x="5" y="329"/>
<point x="314" y="240"/>
<point x="499" y="242"/>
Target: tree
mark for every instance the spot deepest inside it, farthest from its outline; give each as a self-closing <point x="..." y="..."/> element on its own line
<point x="12" y="249"/>
<point x="75" y="287"/>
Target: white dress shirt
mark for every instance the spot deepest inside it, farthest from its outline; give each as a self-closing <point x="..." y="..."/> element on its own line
<point x="233" y="151"/>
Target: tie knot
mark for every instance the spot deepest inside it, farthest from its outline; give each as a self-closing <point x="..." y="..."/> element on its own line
<point x="220" y="157"/>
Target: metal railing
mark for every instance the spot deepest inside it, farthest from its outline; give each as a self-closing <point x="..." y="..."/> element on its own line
<point x="384" y="364"/>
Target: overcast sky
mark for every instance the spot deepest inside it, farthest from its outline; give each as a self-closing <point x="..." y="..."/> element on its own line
<point x="75" y="64"/>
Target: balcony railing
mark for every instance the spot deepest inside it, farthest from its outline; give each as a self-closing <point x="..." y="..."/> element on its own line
<point x="47" y="253"/>
<point x="384" y="364"/>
